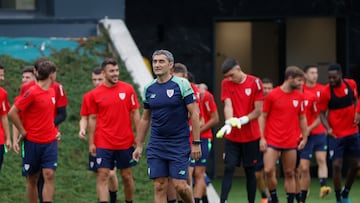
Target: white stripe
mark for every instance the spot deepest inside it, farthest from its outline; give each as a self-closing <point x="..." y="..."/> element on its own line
<point x="61" y="90"/>
<point x="213" y="197"/>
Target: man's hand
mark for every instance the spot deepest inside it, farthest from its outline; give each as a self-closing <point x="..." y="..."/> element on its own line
<point x="137" y="154"/>
<point x="226" y="129"/>
<point x="92" y="149"/>
<point x="82" y="134"/>
<point x="244" y="120"/>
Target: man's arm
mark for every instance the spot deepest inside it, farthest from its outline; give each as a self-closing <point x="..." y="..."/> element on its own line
<point x="214" y="119"/>
<point x="195" y="122"/>
<point x="262" y="119"/>
<point x="60" y="116"/>
<point x="135" y="116"/>
<point x="14" y="116"/>
<point x="304" y="131"/>
<point x="83" y="125"/>
<point x="325" y="122"/>
<point x="228" y="109"/>
<point x="5" y="124"/>
<point x="255" y="114"/>
<point x="91" y="131"/>
<point x="141" y="131"/>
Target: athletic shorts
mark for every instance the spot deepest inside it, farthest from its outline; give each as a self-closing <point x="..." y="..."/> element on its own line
<point x="205" y="150"/>
<point x="2" y="153"/>
<point x="236" y="153"/>
<point x="315" y="143"/>
<point x="38" y="156"/>
<point x="122" y="159"/>
<point x="347" y="147"/>
<point x="92" y="165"/>
<point x="260" y="162"/>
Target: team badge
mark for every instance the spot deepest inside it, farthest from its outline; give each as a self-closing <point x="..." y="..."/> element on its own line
<point x="306" y="102"/>
<point x="53" y="100"/>
<point x="346" y="91"/>
<point x="91" y="164"/>
<point x="248" y="91"/>
<point x="122" y="96"/>
<point x="318" y="94"/>
<point x="295" y="103"/>
<point x="170" y="93"/>
<point x="26" y="167"/>
<point x="98" y="161"/>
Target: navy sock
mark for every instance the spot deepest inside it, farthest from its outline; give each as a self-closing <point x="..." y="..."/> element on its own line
<point x="290" y="197"/>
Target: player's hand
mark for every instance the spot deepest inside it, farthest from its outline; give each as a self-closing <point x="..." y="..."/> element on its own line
<point x="234" y="122"/>
<point x="58" y="136"/>
<point x="302" y="144"/>
<point x="92" y="149"/>
<point x="8" y="144"/>
<point x="195" y="152"/>
<point x="16" y="148"/>
<point x="137" y="154"/>
<point x="226" y="129"/>
<point x="21" y="138"/>
<point x="263" y="144"/>
<point x="244" y="120"/>
<point x="82" y="134"/>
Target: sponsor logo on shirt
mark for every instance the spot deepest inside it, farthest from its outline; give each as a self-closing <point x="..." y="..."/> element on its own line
<point x="152" y="96"/>
<point x="248" y="91"/>
<point x="122" y="95"/>
<point x="170" y="93"/>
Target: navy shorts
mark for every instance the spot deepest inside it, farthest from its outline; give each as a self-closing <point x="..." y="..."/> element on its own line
<point x="38" y="156"/>
<point x="246" y="153"/>
<point x="2" y="153"/>
<point x="205" y="150"/>
<point x="260" y="162"/>
<point x="122" y="159"/>
<point x="347" y="147"/>
<point x="315" y="143"/>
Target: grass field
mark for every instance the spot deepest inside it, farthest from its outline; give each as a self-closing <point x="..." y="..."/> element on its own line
<point x="238" y="191"/>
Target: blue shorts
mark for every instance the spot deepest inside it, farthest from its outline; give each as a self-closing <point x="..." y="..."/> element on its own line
<point x="38" y="156"/>
<point x="122" y="159"/>
<point x="347" y="147"/>
<point x="205" y="150"/>
<point x="2" y="153"/>
<point x="315" y="143"/>
<point x="246" y="153"/>
<point x="168" y="157"/>
<point x="92" y="165"/>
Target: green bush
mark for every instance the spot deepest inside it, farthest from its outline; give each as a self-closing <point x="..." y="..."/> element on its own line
<point x="74" y="183"/>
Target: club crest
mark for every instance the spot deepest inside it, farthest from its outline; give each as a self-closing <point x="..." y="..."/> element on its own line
<point x="53" y="100"/>
<point x="248" y="91"/>
<point x="122" y="96"/>
<point x="170" y="93"/>
<point x="26" y="167"/>
<point x="318" y="94"/>
<point x="98" y="161"/>
<point x="306" y="102"/>
<point x="295" y="103"/>
<point x="346" y="91"/>
<point x="91" y="164"/>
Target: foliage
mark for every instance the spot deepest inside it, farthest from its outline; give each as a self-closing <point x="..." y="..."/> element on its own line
<point x="74" y="183"/>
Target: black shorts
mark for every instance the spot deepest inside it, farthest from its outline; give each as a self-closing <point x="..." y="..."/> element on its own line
<point x="246" y="153"/>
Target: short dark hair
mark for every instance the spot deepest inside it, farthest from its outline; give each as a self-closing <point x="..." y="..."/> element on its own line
<point x="97" y="70"/>
<point x="45" y="68"/>
<point x="307" y="67"/>
<point x="293" y="71"/>
<point x="108" y="61"/>
<point x="28" y="69"/>
<point x="334" y="66"/>
<point x="38" y="61"/>
<point x="267" y="80"/>
<point x="180" y="68"/>
<point x="228" y="64"/>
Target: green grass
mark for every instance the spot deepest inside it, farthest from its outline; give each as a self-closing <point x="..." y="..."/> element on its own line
<point x="74" y="183"/>
<point x="238" y="191"/>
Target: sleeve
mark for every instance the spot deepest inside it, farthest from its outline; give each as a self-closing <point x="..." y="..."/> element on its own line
<point x="24" y="101"/>
<point x="61" y="98"/>
<point x="224" y="91"/>
<point x="92" y="106"/>
<point x="259" y="94"/>
<point x="134" y="103"/>
<point x="268" y="102"/>
<point x="209" y="103"/>
<point x="5" y="105"/>
<point x="84" y="105"/>
<point x="324" y="99"/>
